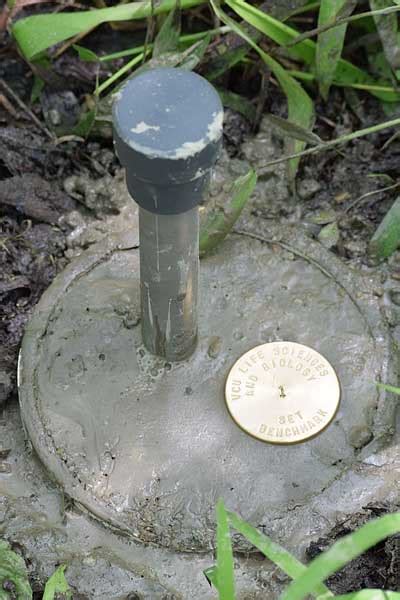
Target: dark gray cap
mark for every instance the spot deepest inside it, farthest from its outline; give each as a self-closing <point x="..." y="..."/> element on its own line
<point x="167" y="133"/>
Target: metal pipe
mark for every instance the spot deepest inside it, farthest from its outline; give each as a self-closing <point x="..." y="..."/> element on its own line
<point x="167" y="132"/>
<point x="169" y="268"/>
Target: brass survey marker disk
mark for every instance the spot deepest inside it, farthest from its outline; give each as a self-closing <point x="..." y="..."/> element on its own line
<point x="282" y="392"/>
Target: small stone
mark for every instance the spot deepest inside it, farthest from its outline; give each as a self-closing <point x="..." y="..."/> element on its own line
<point x="214" y="347"/>
<point x="356" y="248"/>
<point x="307" y="188"/>
<point x="89" y="561"/>
<point x="329" y="235"/>
<point x="360" y="436"/>
<point x="323" y="217"/>
<point x="342" y="197"/>
<point x="394" y="296"/>
<point x="376" y="460"/>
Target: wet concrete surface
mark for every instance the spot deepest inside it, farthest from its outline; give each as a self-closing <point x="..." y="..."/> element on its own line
<point x="148" y="447"/>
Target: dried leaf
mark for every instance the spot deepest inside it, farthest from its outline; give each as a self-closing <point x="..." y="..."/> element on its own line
<point x="293" y="130"/>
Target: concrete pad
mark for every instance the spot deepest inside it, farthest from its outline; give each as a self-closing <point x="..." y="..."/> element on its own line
<point x="148" y="447"/>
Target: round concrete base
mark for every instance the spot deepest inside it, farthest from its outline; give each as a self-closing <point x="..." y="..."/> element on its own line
<point x="148" y="447"/>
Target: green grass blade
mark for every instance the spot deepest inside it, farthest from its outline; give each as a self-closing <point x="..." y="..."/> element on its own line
<point x="85" y="54"/>
<point x="56" y="585"/>
<point x="279" y="32"/>
<point x="167" y="39"/>
<point x="37" y="33"/>
<point x="13" y="569"/>
<point x="389" y="388"/>
<point x="225" y="575"/>
<point x="330" y="44"/>
<point x="115" y="76"/>
<point x="386" y="238"/>
<point x="278" y="555"/>
<point x="220" y="221"/>
<point x="211" y="576"/>
<point x="346" y="73"/>
<point x="184" y="40"/>
<point x="300" y="106"/>
<point x="370" y="595"/>
<point x="341" y="553"/>
<point x="300" y="109"/>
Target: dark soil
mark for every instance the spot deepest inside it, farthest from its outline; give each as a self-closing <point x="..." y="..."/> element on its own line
<point x="33" y="204"/>
<point x="378" y="568"/>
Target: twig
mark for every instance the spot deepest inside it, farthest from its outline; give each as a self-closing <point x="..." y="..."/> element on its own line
<point x="341" y="21"/>
<point x="332" y="143"/>
<point x="24" y="107"/>
<point x="368" y="194"/>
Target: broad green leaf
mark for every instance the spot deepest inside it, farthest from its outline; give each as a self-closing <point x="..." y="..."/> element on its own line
<point x="57" y="584"/>
<point x="167" y="39"/>
<point x="85" y="123"/>
<point x="228" y="59"/>
<point x="220" y="220"/>
<point x="329" y="235"/>
<point x="330" y="44"/>
<point x="300" y="106"/>
<point x="278" y="555"/>
<point x="341" y="553"/>
<point x="194" y="55"/>
<point x="225" y="574"/>
<point x="389" y="388"/>
<point x="386" y="238"/>
<point x="387" y="26"/>
<point x="293" y="130"/>
<point x="39" y="32"/>
<point x="13" y="570"/>
<point x="370" y="595"/>
<point x="279" y="32"/>
<point x="85" y="54"/>
<point x="237" y="103"/>
<point x="346" y="73"/>
<point x="37" y="87"/>
<point x="300" y="109"/>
